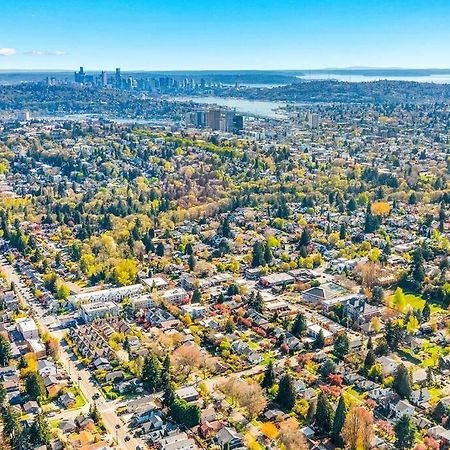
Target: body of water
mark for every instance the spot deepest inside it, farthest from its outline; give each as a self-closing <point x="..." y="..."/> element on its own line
<point x="441" y="79"/>
<point x="259" y="108"/>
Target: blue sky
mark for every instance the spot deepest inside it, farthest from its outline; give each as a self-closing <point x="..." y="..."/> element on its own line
<point x="226" y="34"/>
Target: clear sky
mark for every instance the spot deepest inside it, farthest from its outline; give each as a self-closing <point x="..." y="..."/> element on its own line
<point x="225" y="34"/>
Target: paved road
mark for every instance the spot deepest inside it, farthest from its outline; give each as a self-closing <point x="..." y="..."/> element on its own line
<point x="78" y="373"/>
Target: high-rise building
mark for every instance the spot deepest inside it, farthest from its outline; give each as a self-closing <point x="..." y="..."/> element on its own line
<point x="104" y="79"/>
<point x="213" y="118"/>
<point x="80" y="76"/>
<point x="118" y="79"/>
<point x="313" y="120"/>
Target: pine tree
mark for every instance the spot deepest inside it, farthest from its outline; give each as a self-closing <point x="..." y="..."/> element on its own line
<point x="370" y="360"/>
<point x="324" y="414"/>
<point x="426" y="312"/>
<point x="299" y="326"/>
<point x="286" y="393"/>
<point x="341" y="345"/>
<point x="305" y="238"/>
<point x="5" y="351"/>
<point x="338" y="422"/>
<point x="319" y="342"/>
<point x="405" y="432"/>
<point x="269" y="377"/>
<point x="151" y="372"/>
<point x="192" y="262"/>
<point x="196" y="296"/>
<point x="402" y="382"/>
<point x="34" y="386"/>
<point x="258" y="254"/>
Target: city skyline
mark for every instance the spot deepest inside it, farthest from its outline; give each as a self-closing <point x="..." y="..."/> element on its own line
<point x="215" y="36"/>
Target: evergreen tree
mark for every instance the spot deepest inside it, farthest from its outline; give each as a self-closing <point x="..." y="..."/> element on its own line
<point x="196" y="296"/>
<point x="169" y="395"/>
<point x="192" y="262"/>
<point x="405" y="432"/>
<point x="299" y="326"/>
<point x="269" y="377"/>
<point x="2" y="393"/>
<point x="341" y="345"/>
<point x="188" y="250"/>
<point x="370" y="360"/>
<point x="160" y="250"/>
<point x="165" y="373"/>
<point x="34" y="386"/>
<point x="402" y="382"/>
<point x="338" y="422"/>
<point x="426" y="312"/>
<point x="286" y="393"/>
<point x="324" y="414"/>
<point x="226" y="229"/>
<point x="258" y="254"/>
<point x="377" y="294"/>
<point x="305" y="238"/>
<point x="5" y="351"/>
<point x="151" y="372"/>
<point x="39" y="432"/>
<point x="319" y="342"/>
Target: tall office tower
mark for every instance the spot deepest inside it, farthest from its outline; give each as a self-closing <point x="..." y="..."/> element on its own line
<point x="238" y="123"/>
<point x="213" y="119"/>
<point x="200" y="119"/>
<point x="313" y="120"/>
<point x="229" y="121"/>
<point x="104" y="79"/>
<point x="118" y="78"/>
<point x="80" y="76"/>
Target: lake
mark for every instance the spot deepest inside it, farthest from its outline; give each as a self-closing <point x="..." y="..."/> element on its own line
<point x="246" y="107"/>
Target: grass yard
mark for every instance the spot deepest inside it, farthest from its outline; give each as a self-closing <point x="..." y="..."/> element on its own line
<point x="79" y="400"/>
<point x="417" y="302"/>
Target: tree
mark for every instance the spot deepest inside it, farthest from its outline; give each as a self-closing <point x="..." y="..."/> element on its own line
<point x="196" y="296"/>
<point x="357" y="432"/>
<point x="305" y="238"/>
<point x="5" y="351"/>
<point x="324" y="413"/>
<point x="319" y="342"/>
<point x="251" y="398"/>
<point x="39" y="433"/>
<point x="34" y="386"/>
<point x="269" y="377"/>
<point x="192" y="262"/>
<point x="186" y="358"/>
<point x="184" y="413"/>
<point x="225" y="228"/>
<point x="292" y="438"/>
<point x="395" y="334"/>
<point x="269" y="430"/>
<point x="338" y="422"/>
<point x="2" y="393"/>
<point x="160" y="249"/>
<point x="258" y="254"/>
<point x="286" y="393"/>
<point x="405" y="432"/>
<point x="299" y="326"/>
<point x="402" y="382"/>
<point x="341" y="345"/>
<point x="370" y="360"/>
<point x="399" y="300"/>
<point x="151" y="372"/>
<point x="377" y="294"/>
<point x="426" y="312"/>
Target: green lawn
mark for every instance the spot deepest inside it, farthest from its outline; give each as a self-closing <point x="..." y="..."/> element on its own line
<point x="79" y="400"/>
<point x="417" y="302"/>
